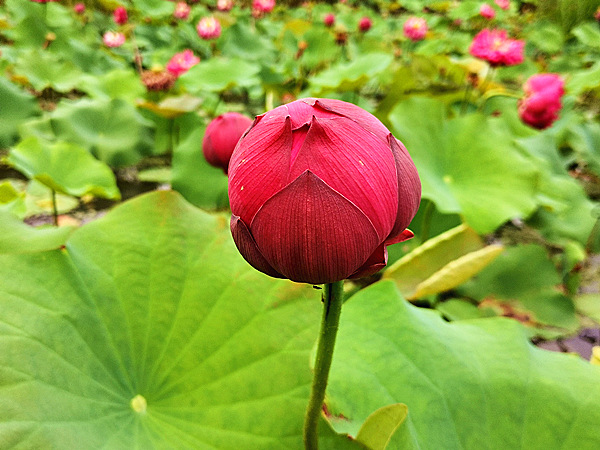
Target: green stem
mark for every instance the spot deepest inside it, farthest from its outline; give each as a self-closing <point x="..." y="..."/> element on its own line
<point x="332" y="307"/>
<point x="54" y="208"/>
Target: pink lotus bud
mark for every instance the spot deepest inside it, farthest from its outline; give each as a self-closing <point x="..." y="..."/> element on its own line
<point x="597" y="14"/>
<point x="365" y="24"/>
<point x="318" y="188"/>
<point x="329" y="20"/>
<point x="182" y="62"/>
<point x="224" y="5"/>
<point x="487" y="11"/>
<point x="182" y="10"/>
<point x="415" y="28"/>
<point x="263" y="6"/>
<point x="503" y="4"/>
<point x="79" y="8"/>
<point x="113" y="39"/>
<point x="209" y="28"/>
<point x="120" y="16"/>
<point x="494" y="47"/>
<point x="221" y="137"/>
<point x="541" y="104"/>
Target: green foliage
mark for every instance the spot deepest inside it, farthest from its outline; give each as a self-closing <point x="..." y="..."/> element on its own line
<point x="17" y="106"/>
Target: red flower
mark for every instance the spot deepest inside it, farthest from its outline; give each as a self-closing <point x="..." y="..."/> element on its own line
<point x="496" y="48"/>
<point x="541" y="104"/>
<point x="221" y="136"/>
<point x="318" y="188"/>
<point x="365" y="24"/>
<point x="182" y="62"/>
<point x="415" y="28"/>
<point x="120" y="16"/>
<point x="487" y="11"/>
<point x="329" y="20"/>
<point x="503" y="4"/>
<point x="182" y="10"/>
<point x="208" y="28"/>
<point x="79" y="8"/>
<point x="263" y="6"/>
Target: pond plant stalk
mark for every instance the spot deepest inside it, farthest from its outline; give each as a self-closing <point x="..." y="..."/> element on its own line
<point x="332" y="308"/>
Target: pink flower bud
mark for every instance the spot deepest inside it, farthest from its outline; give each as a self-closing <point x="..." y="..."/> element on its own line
<point x="221" y="137"/>
<point x="263" y="6"/>
<point x="224" y="5"/>
<point x="182" y="62"/>
<point x="208" y="28"/>
<point x="329" y="20"/>
<point x="541" y="104"/>
<point x="113" y="39"/>
<point x="597" y="14"/>
<point x="494" y="47"/>
<point x="182" y="10"/>
<point x="120" y="16"/>
<point x="365" y="24"/>
<point x="487" y="11"/>
<point x="415" y="28"/>
<point x="318" y="188"/>
<point x="503" y="4"/>
<point x="79" y="8"/>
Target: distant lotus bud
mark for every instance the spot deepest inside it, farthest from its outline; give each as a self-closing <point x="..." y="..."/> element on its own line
<point x="182" y="10"/>
<point x="120" y="16"/>
<point x="541" y="104"/>
<point x="113" y="39"/>
<point x="494" y="47"/>
<point x="224" y="5"/>
<point x="318" y="188"/>
<point x="221" y="137"/>
<point x="158" y="81"/>
<point x="503" y="4"/>
<point x="597" y="14"/>
<point x="487" y="11"/>
<point x="329" y="20"/>
<point x="79" y="8"/>
<point x="208" y="28"/>
<point x="365" y="24"/>
<point x="415" y="28"/>
<point x="181" y="62"/>
<point x="263" y="6"/>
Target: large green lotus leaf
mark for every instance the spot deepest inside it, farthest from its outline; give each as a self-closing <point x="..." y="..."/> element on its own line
<point x="64" y="167"/>
<point x="149" y="330"/>
<point x="584" y="80"/>
<point x="352" y="75"/>
<point x="113" y="130"/>
<point x="118" y="83"/>
<point x="44" y="69"/>
<point x="475" y="384"/>
<point x="219" y="74"/>
<point x="466" y="165"/>
<point x="17" y="237"/>
<point x="154" y="8"/>
<point x="199" y="182"/>
<point x="17" y="106"/>
<point x="247" y="43"/>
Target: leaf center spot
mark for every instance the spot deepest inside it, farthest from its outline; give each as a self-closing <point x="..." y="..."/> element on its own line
<point x="139" y="404"/>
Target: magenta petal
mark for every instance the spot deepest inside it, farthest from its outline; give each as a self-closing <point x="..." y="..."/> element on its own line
<point x="374" y="264"/>
<point x="409" y="188"/>
<point x="404" y="236"/>
<point x="312" y="234"/>
<point x="355" y="113"/>
<point x="247" y="247"/>
<point x="355" y="163"/>
<point x="259" y="165"/>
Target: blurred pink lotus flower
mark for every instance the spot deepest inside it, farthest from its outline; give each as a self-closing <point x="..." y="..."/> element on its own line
<point x="120" y="16"/>
<point x="182" y="10"/>
<point x="365" y="24"/>
<point x="494" y="47"/>
<point x="415" y="28"/>
<point x="263" y="6"/>
<point x="597" y="14"/>
<point x="503" y="4"/>
<point x="221" y="137"/>
<point x="487" y="11"/>
<point x="182" y="62"/>
<point x="541" y="104"/>
<point x="329" y="20"/>
<point x="113" y="39"/>
<point x="79" y="8"/>
<point x="224" y="5"/>
<point x="318" y="188"/>
<point x="209" y="28"/>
